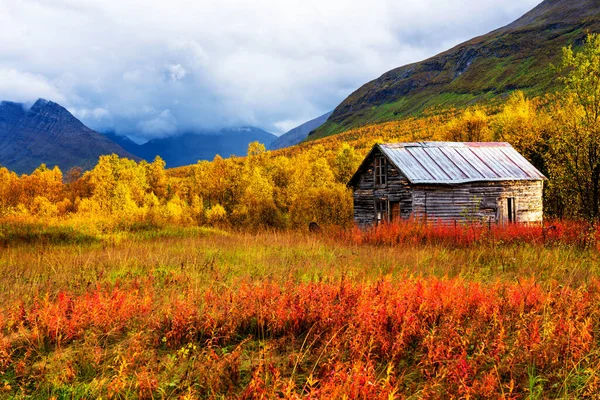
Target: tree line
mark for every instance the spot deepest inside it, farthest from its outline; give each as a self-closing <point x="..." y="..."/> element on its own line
<point x="289" y="188"/>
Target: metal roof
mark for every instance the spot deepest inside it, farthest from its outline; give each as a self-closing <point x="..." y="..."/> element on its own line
<point x="454" y="162"/>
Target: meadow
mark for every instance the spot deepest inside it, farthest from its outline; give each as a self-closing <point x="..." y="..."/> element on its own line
<point x="399" y="312"/>
<point x="131" y="280"/>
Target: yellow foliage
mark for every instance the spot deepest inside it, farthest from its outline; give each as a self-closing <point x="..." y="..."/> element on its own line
<point x="42" y="207"/>
<point x="324" y="206"/>
<point x="216" y="215"/>
<point x="64" y="206"/>
<point x="471" y="126"/>
<point x="174" y="211"/>
<point x="292" y="187"/>
<point x="157" y="177"/>
<point x="524" y="124"/>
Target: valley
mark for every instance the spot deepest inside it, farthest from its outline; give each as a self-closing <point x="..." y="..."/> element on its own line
<point x="348" y="258"/>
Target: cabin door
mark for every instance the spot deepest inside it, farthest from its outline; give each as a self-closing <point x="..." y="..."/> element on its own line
<point x="507" y="211"/>
<point x="381" y="211"/>
<point x="395" y="211"/>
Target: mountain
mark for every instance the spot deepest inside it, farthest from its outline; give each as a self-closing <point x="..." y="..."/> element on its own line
<point x="123" y="141"/>
<point x="47" y="133"/>
<point x="299" y="133"/>
<point x="516" y="56"/>
<point x="188" y="148"/>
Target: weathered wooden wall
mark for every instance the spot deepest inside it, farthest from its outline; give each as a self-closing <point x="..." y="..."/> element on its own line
<point x="365" y="193"/>
<point x="479" y="201"/>
<point x="475" y="201"/>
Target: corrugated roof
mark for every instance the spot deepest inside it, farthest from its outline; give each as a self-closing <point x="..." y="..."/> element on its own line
<point x="453" y="162"/>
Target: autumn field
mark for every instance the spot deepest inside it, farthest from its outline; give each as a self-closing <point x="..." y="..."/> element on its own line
<point x="205" y="313"/>
<point x="132" y="280"/>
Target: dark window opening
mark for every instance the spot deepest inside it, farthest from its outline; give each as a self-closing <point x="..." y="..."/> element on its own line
<point x="381" y="211"/>
<point x="380" y="171"/>
<point x="512" y="210"/>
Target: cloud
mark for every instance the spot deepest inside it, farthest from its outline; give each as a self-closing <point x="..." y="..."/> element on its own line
<point x="156" y="68"/>
<point x="25" y="87"/>
<point x="161" y="124"/>
<point x="96" y="114"/>
<point x="176" y="72"/>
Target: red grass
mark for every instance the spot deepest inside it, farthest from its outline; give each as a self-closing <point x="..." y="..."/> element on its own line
<point x="435" y="337"/>
<point x="571" y="233"/>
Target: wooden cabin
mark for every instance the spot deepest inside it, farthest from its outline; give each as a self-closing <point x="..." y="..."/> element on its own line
<point x="447" y="181"/>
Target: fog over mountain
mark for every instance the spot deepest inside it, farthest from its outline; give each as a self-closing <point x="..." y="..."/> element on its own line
<point x="47" y="133"/>
<point x="160" y="68"/>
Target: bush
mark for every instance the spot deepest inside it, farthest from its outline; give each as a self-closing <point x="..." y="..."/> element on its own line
<point x="42" y="207"/>
<point x="216" y="215"/>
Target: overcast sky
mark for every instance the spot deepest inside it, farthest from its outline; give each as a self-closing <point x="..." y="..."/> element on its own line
<point x="154" y="68"/>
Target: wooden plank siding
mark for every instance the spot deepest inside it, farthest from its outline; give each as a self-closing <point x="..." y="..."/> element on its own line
<point x="483" y="201"/>
<point x="366" y="193"/>
<point x="479" y="201"/>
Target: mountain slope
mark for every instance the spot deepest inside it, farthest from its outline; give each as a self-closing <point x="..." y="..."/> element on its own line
<point x="188" y="148"/>
<point x="123" y="141"/>
<point x="299" y="133"/>
<point x="516" y="56"/>
<point x="49" y="134"/>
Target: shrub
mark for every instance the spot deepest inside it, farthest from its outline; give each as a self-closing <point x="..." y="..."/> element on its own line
<point x="216" y="215"/>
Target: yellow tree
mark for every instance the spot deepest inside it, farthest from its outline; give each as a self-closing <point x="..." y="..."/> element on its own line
<point x="282" y="174"/>
<point x="574" y="156"/>
<point x="197" y="179"/>
<point x="526" y="125"/>
<point x="345" y="163"/>
<point x="10" y="190"/>
<point x="257" y="201"/>
<point x="157" y="177"/>
<point x="216" y="181"/>
<point x="42" y="182"/>
<point x="119" y="184"/>
<point x="471" y="126"/>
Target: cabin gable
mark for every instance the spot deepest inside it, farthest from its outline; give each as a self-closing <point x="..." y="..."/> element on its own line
<point x="392" y="199"/>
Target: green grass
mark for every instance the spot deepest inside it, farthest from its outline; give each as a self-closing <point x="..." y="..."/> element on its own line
<point x="42" y="234"/>
<point x="327" y="129"/>
<point x="204" y="255"/>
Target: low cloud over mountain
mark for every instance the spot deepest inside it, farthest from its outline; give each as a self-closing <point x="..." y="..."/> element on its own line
<point x="161" y="68"/>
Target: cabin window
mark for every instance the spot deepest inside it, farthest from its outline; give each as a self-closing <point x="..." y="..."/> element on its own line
<point x="381" y="211"/>
<point x="380" y="171"/>
<point x="511" y="207"/>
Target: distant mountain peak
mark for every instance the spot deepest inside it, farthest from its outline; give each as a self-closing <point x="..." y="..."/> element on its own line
<point x="299" y="133"/>
<point x="42" y="102"/>
<point x="48" y="133"/>
<point x="50" y="108"/>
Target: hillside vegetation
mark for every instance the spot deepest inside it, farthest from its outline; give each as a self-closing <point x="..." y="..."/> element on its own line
<point x="515" y="57"/>
<point x="292" y="187"/>
<point x="134" y="281"/>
